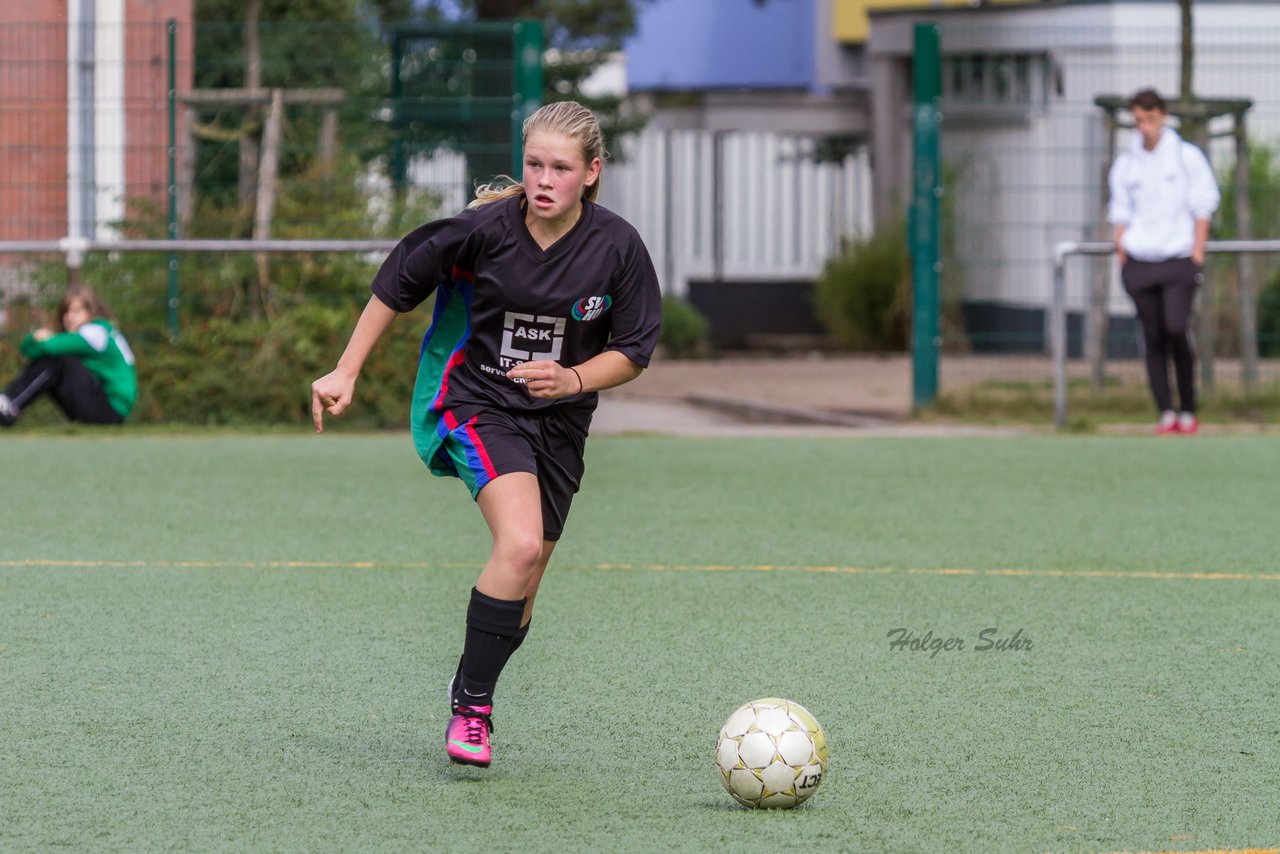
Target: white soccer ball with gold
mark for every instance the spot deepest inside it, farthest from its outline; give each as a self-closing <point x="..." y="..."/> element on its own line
<point x="772" y="753"/>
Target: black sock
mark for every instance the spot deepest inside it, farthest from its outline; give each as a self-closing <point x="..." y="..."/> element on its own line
<point x="521" y="634"/>
<point x="492" y="625"/>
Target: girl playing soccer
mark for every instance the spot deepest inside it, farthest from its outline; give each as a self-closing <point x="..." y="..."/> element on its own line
<point x="542" y="298"/>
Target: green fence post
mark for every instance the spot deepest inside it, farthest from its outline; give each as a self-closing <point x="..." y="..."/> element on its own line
<point x="925" y="220"/>
<point x="526" y="94"/>
<point x="398" y="157"/>
<point x="172" y="29"/>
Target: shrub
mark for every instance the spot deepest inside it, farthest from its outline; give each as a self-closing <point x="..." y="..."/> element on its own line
<point x="863" y="294"/>
<point x="684" y="329"/>
<point x="1269" y="318"/>
<point x="260" y="372"/>
<point x="241" y="372"/>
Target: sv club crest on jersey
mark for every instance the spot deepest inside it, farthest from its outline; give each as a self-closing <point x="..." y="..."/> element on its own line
<point x="589" y="308"/>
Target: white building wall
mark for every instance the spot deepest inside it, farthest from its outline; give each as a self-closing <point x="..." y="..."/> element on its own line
<point x="782" y="214"/>
<point x="1026" y="184"/>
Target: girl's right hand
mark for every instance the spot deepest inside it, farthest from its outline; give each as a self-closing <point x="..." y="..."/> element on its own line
<point x="333" y="392"/>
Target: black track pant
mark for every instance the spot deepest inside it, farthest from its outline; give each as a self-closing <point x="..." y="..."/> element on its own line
<point x="1163" y="292"/>
<point x="71" y="385"/>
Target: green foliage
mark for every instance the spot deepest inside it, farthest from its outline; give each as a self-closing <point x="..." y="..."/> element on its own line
<point x="1264" y="195"/>
<point x="863" y="294"/>
<point x="684" y="329"/>
<point x="225" y="371"/>
<point x="835" y="148"/>
<point x="1223" y="270"/>
<point x="1269" y="318"/>
<point x="580" y="36"/>
<point x="341" y="44"/>
<point x="239" y="319"/>
<point x="238" y="372"/>
<point x="316" y="44"/>
<point x="214" y="286"/>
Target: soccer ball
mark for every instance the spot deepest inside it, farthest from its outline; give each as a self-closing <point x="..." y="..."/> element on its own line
<point x="772" y="753"/>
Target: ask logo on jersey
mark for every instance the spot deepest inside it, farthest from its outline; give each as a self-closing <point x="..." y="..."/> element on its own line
<point x="526" y="337"/>
<point x="589" y="308"/>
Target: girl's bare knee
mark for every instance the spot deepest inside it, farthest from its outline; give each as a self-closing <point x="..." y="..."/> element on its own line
<point x="521" y="553"/>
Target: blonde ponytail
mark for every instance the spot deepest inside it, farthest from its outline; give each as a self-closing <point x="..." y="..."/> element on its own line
<point x="501" y="187"/>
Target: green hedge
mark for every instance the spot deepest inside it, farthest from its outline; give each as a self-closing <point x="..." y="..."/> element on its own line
<point x="241" y="372"/>
<point x="1269" y="318"/>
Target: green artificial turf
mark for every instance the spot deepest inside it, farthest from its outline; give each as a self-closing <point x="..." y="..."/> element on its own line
<point x="241" y="643"/>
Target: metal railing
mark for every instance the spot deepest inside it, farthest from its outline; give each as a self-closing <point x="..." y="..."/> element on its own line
<point x="74" y="250"/>
<point x="1058" y="307"/>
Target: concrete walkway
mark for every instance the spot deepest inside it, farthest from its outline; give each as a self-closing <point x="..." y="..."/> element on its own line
<point x="772" y="396"/>
<point x="833" y="395"/>
<point x="619" y="415"/>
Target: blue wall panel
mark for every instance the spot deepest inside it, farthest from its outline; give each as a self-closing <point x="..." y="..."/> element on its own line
<point x="722" y="44"/>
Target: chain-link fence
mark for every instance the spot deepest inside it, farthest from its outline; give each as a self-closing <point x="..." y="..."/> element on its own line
<point x="117" y="133"/>
<point x="331" y="136"/>
<point x="1031" y="128"/>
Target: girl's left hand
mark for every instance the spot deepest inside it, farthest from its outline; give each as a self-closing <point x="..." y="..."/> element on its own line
<point x="546" y="379"/>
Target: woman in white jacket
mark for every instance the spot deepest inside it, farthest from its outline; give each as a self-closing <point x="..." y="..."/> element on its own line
<point x="1163" y="196"/>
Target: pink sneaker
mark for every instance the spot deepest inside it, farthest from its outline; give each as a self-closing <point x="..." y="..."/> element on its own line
<point x="467" y="738"/>
<point x="1188" y="424"/>
<point x="1168" y="424"/>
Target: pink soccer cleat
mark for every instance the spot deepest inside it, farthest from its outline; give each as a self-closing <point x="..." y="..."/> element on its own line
<point x="467" y="738"/>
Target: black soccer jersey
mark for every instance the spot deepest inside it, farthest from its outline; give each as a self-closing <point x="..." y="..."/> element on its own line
<point x="502" y="300"/>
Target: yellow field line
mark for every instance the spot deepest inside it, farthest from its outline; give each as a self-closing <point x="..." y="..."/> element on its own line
<point x="663" y="567"/>
<point x="889" y="570"/>
<point x="231" y="564"/>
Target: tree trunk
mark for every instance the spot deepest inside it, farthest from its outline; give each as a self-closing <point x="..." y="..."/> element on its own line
<point x="1246" y="266"/>
<point x="251" y="125"/>
<point x="266" y="201"/>
<point x="250" y="150"/>
<point x="1100" y="294"/>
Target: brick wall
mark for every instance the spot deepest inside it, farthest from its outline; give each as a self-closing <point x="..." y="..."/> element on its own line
<point x="33" y="120"/>
<point x="33" y="109"/>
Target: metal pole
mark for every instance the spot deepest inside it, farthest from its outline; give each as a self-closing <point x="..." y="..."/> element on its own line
<point x="1245" y="266"/>
<point x="526" y="40"/>
<point x="1205" y="319"/>
<point x="83" y="246"/>
<point x="1099" y="292"/>
<point x="1058" y="332"/>
<point x="668" y="218"/>
<point x="925" y="226"/>
<point x="717" y="207"/>
<point x="171" y="28"/>
<point x="81" y="129"/>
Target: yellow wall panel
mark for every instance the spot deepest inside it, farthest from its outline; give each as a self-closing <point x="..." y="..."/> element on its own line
<point x="849" y="17"/>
